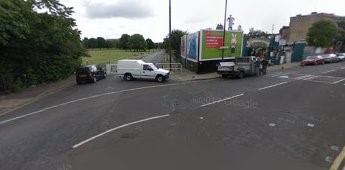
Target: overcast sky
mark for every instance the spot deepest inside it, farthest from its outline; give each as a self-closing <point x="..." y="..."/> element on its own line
<point x="111" y="18"/>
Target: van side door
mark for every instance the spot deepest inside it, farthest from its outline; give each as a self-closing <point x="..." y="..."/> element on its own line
<point x="147" y="72"/>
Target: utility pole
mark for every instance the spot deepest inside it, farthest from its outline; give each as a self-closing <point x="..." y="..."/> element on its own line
<point x="170" y="34"/>
<point x="226" y="5"/>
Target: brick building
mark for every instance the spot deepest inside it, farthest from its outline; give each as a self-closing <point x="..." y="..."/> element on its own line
<point x="300" y="24"/>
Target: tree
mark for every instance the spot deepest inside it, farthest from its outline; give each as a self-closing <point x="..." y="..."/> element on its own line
<point x="85" y="42"/>
<point x="150" y="44"/>
<point x="37" y="47"/>
<point x="101" y="42"/>
<point x="322" y="34"/>
<point x="124" y="42"/>
<point x="341" y="35"/>
<point x="176" y="36"/>
<point x="256" y="34"/>
<point x="92" y="43"/>
<point x="137" y="42"/>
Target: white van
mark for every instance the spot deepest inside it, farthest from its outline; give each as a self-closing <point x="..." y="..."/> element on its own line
<point x="138" y="69"/>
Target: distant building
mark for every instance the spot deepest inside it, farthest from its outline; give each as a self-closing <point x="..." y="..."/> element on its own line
<point x="284" y="32"/>
<point x="300" y="24"/>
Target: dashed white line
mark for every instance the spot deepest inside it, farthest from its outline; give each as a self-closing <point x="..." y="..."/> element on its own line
<point x="82" y="99"/>
<point x="328" y="71"/>
<point x="310" y="77"/>
<point x="117" y="128"/>
<point x="218" y="101"/>
<point x="338" y="81"/>
<point x="275" y="85"/>
<point x="302" y="77"/>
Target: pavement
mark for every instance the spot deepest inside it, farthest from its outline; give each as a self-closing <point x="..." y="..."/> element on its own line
<point x="291" y="118"/>
<point x="14" y="101"/>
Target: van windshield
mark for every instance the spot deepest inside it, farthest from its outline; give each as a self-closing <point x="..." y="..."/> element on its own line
<point x="153" y="66"/>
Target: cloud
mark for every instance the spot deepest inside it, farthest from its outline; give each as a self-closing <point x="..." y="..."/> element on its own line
<point x="122" y="9"/>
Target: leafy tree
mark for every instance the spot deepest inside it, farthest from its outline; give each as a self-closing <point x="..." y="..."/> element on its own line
<point x="150" y="44"/>
<point x="124" y="42"/>
<point x="101" y="42"/>
<point x="92" y="43"/>
<point x="341" y="35"/>
<point x="37" y="47"/>
<point x="137" y="42"/>
<point x="256" y="34"/>
<point x="176" y="36"/>
<point x="322" y="33"/>
<point x="85" y="42"/>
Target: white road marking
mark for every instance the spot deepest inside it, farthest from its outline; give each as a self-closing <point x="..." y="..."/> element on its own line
<point x="342" y="68"/>
<point x="328" y="71"/>
<point x="310" y="77"/>
<point x="117" y="128"/>
<point x="276" y="75"/>
<point x="338" y="81"/>
<point x="221" y="100"/>
<point x="272" y="124"/>
<point x="302" y="77"/>
<point x="82" y="99"/>
<point x="272" y="86"/>
<point x="311" y="125"/>
<point x="284" y="77"/>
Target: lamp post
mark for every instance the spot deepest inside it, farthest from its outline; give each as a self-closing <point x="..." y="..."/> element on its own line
<point x="170" y="34"/>
<point x="226" y="5"/>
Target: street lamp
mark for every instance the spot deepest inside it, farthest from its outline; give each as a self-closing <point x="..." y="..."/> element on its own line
<point x="170" y="34"/>
<point x="226" y="5"/>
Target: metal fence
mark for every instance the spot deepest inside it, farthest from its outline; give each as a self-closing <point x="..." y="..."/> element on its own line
<point x="175" y="67"/>
<point x="111" y="68"/>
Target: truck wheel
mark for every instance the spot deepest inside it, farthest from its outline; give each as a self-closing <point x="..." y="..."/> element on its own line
<point x="128" y="77"/>
<point x="160" y="78"/>
<point x="241" y="75"/>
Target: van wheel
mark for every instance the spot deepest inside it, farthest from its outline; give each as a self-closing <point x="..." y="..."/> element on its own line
<point x="241" y="75"/>
<point x="128" y="77"/>
<point x="160" y="78"/>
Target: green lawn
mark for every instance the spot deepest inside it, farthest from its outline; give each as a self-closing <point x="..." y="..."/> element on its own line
<point x="110" y="55"/>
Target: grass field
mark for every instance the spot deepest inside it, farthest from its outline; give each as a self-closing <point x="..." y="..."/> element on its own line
<point x="110" y="55"/>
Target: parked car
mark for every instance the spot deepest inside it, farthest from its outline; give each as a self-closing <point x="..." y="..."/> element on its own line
<point x="330" y="58"/>
<point x="90" y="74"/>
<point x="138" y="69"/>
<point x="313" y="60"/>
<point x="341" y="56"/>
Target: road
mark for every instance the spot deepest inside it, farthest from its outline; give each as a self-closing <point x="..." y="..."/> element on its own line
<point x="291" y="119"/>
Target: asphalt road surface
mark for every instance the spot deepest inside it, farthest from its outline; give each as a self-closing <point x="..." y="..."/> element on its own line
<point x="292" y="119"/>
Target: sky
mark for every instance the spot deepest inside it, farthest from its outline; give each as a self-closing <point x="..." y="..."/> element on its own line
<point x="112" y="18"/>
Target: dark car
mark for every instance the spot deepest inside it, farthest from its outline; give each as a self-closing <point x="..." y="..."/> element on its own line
<point x="90" y="74"/>
<point x="313" y="60"/>
<point x="330" y="58"/>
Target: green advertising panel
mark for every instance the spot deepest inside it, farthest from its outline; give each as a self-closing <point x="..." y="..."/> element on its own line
<point x="212" y="44"/>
